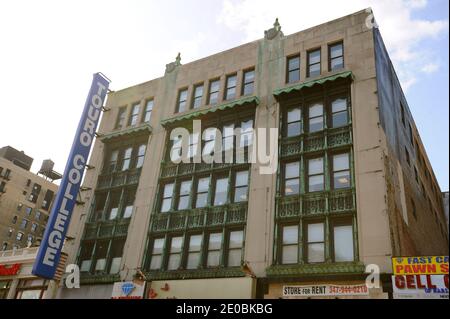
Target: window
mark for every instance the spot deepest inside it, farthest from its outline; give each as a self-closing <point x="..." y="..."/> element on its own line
<point x="214" y="86"/>
<point x="315" y="118"/>
<point x="316" y="243"/>
<point x="241" y="187"/>
<point x="175" y="150"/>
<point x="413" y="208"/>
<point x="175" y="253"/>
<point x="248" y="82"/>
<point x="114" y="205"/>
<point x="182" y="100"/>
<point x="28" y="210"/>
<point x="235" y="245"/>
<point x="408" y="160"/>
<point x="293" y="69"/>
<point x="33" y="227"/>
<point x="28" y="182"/>
<point x="230" y="92"/>
<point x="14" y="220"/>
<point x="228" y="137"/>
<point x="113" y="161"/>
<point x="292" y="178"/>
<point x="141" y="156"/>
<point x="314" y="63"/>
<point x="185" y="191"/>
<point x="35" y="193"/>
<point x="402" y="112"/>
<point x="289" y="249"/>
<point x="2" y="187"/>
<point x="24" y="224"/>
<point x="343" y="243"/>
<point x="221" y="191"/>
<point x="4" y="247"/>
<point x="210" y="141"/>
<point x="416" y="174"/>
<point x="116" y="255"/>
<point x="134" y="115"/>
<point x="120" y="123"/>
<point x="198" y="95"/>
<point x="157" y="253"/>
<point x="341" y="171"/>
<point x="19" y="236"/>
<point x="294" y="122"/>
<point x="10" y="231"/>
<point x="214" y="248"/>
<point x="30" y="239"/>
<point x="194" y="251"/>
<point x="19" y="207"/>
<point x="202" y="192"/>
<point x="339" y="115"/>
<point x="47" y="199"/>
<point x="126" y="158"/>
<point x="7" y="173"/>
<point x="246" y="133"/>
<point x="128" y="203"/>
<point x="167" y="198"/>
<point x="193" y="145"/>
<point x="315" y="175"/>
<point x="101" y="251"/>
<point x="148" y="111"/>
<point x="336" y="56"/>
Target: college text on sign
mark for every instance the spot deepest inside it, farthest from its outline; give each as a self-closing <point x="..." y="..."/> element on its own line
<point x="325" y="290"/>
<point x="433" y="265"/>
<point x="9" y="270"/>
<point x="50" y="250"/>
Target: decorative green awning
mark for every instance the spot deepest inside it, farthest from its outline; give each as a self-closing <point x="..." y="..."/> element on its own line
<point x="141" y="129"/>
<point x="228" y="105"/>
<point x="300" y="86"/>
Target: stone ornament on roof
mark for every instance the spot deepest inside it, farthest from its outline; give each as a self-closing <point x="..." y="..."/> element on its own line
<point x="172" y="65"/>
<point x="273" y="32"/>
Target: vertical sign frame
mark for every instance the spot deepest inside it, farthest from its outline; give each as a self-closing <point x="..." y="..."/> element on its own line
<point x="49" y="252"/>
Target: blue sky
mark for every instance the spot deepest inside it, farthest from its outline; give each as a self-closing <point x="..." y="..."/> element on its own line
<point x="50" y="51"/>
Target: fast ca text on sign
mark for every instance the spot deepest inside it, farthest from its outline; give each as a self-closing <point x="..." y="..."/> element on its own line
<point x="325" y="290"/>
<point x="433" y="265"/>
<point x="50" y="250"/>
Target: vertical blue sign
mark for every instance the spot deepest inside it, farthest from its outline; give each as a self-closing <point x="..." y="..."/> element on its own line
<point x="50" y="250"/>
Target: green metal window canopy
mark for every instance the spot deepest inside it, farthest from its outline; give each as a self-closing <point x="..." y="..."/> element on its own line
<point x="136" y="130"/>
<point x="228" y="105"/>
<point x="300" y="86"/>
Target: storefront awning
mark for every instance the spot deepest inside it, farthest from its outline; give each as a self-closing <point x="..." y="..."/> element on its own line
<point x="228" y="105"/>
<point x="141" y="129"/>
<point x="300" y="86"/>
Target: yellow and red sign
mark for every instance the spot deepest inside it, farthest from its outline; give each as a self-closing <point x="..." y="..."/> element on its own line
<point x="431" y="265"/>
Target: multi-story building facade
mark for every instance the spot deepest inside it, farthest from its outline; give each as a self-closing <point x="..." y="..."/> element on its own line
<point x="353" y="185"/>
<point x="25" y="201"/>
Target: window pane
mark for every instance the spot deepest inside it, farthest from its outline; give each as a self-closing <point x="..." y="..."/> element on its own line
<point x="215" y="86"/>
<point x="248" y="89"/>
<point x="294" y="115"/>
<point x="166" y="204"/>
<point x="343" y="243"/>
<point x="316" y="183"/>
<point x="195" y="242"/>
<point x="290" y="255"/>
<point x="314" y="57"/>
<point x="340" y="119"/>
<point x="316" y="124"/>
<point x="290" y="235"/>
<point x="100" y="264"/>
<point x="220" y="197"/>
<point x="340" y="162"/>
<point x="203" y="185"/>
<point x="113" y="213"/>
<point x="337" y="63"/>
<point x="183" y="203"/>
<point x="241" y="178"/>
<point x="292" y="170"/>
<point x="294" y="63"/>
<point x="174" y="262"/>
<point x="202" y="200"/>
<point x="316" y="253"/>
<point x="292" y="187"/>
<point x="315" y="232"/>
<point x="158" y="245"/>
<point x="315" y="166"/>
<point x="215" y="241"/>
<point x="234" y="257"/>
<point x="231" y="81"/>
<point x="213" y="258"/>
<point x="294" y="129"/>
<point x="336" y="50"/>
<point x="294" y="76"/>
<point x="341" y="180"/>
<point x="185" y="188"/>
<point x="115" y="265"/>
<point x="249" y="76"/>
<point x="339" y="105"/>
<point x="168" y="190"/>
<point x="236" y="239"/>
<point x="316" y="110"/>
<point x="175" y="245"/>
<point x="193" y="260"/>
<point x="240" y="194"/>
<point x="156" y="262"/>
<point x="314" y="70"/>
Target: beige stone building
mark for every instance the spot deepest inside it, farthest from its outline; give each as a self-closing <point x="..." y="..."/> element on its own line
<point x="353" y="184"/>
<point x="25" y="200"/>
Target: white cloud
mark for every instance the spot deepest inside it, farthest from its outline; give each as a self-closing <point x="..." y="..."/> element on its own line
<point x="430" y="68"/>
<point x="401" y="32"/>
